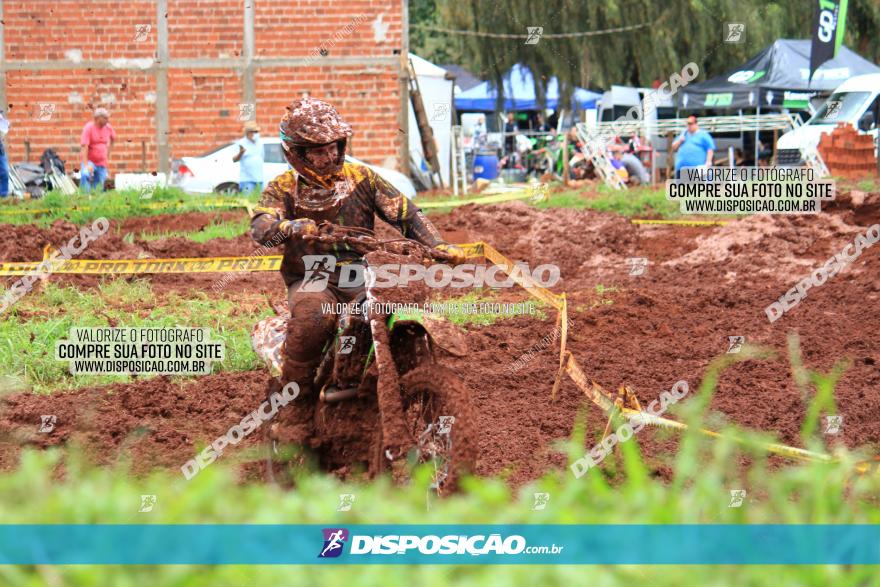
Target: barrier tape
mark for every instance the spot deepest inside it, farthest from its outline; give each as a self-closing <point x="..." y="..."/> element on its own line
<point x="210" y="265"/>
<point x="567" y="362"/>
<point x="494" y="199"/>
<point x="569" y="365"/>
<point x="145" y="266"/>
<point x="681" y="222"/>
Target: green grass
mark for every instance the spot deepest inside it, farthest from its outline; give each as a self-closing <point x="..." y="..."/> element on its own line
<point x="29" y="329"/>
<point x="601" y="296"/>
<point x="637" y="201"/>
<point x="217" y="229"/>
<point x="866" y="185"/>
<point x="623" y="491"/>
<point x="112" y="204"/>
<point x="41" y="318"/>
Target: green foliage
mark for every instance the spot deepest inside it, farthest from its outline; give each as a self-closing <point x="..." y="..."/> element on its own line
<point x="623" y="490"/>
<point x="80" y="208"/>
<point x="434" y="46"/>
<point x="599" y="297"/>
<point x="30" y="328"/>
<point x="217" y="229"/>
<point x="637" y="201"/>
<point x="678" y="32"/>
<point x="640" y="201"/>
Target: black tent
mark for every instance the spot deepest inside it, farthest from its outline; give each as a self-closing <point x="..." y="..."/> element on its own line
<point x="777" y="77"/>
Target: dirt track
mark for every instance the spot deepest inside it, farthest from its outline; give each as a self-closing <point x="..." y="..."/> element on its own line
<point x="701" y="286"/>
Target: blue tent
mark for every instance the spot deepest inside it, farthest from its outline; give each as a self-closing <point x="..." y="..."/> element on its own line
<point x="519" y="94"/>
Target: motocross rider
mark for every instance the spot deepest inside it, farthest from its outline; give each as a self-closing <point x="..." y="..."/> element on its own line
<point x="322" y="186"/>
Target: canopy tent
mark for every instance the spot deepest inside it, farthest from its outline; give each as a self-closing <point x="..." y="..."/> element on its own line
<point x="777" y="77"/>
<point x="436" y="90"/>
<point x="464" y="80"/>
<point x="519" y="94"/>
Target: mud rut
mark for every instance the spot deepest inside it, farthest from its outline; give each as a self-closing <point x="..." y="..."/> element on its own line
<point x="701" y="286"/>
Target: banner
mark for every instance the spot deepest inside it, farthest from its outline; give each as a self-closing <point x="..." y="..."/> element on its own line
<point x="829" y="24"/>
<point x="340" y="543"/>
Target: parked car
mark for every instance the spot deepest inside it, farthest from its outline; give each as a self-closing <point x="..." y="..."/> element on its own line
<point x="215" y="172"/>
<point x="856" y="101"/>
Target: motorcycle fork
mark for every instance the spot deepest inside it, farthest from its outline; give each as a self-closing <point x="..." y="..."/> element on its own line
<point x="391" y="419"/>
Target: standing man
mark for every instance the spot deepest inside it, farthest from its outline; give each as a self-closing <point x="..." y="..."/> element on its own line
<point x="510" y="130"/>
<point x="480" y="135"/>
<point x="250" y="153"/>
<point x="97" y="138"/>
<point x="4" y="162"/>
<point x="695" y="147"/>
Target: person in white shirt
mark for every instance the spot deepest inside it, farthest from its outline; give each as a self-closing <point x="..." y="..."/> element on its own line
<point x="250" y="154"/>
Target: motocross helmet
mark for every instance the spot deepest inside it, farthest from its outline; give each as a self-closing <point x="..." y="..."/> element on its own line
<point x="312" y="123"/>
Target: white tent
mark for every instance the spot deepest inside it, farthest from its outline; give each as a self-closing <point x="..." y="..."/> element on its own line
<point x="437" y="97"/>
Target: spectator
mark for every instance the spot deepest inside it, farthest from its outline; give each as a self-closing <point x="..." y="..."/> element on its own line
<point x="619" y="167"/>
<point x="695" y="147"/>
<point x="97" y="138"/>
<point x="578" y="165"/>
<point x="542" y="125"/>
<point x="4" y="163"/>
<point x="635" y="169"/>
<point x="637" y="172"/>
<point x="480" y="133"/>
<point x="510" y="130"/>
<point x="250" y="153"/>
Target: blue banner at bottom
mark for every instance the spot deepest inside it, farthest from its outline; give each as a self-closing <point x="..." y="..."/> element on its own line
<point x="440" y="544"/>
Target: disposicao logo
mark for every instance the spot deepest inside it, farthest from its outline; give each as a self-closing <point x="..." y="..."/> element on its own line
<point x="334" y="540"/>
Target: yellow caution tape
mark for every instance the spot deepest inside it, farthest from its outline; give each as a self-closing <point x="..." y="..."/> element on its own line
<point x="522" y="279"/>
<point x="567" y="362"/>
<point x="143" y="266"/>
<point x="599" y="396"/>
<point x="681" y="222"/>
<point x="494" y="199"/>
<point x="214" y="265"/>
<point x="14" y="211"/>
<point x="562" y="325"/>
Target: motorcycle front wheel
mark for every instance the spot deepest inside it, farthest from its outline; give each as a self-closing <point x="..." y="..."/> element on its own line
<point x="439" y="419"/>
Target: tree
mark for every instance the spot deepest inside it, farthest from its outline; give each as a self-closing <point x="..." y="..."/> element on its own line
<point x="673" y="33"/>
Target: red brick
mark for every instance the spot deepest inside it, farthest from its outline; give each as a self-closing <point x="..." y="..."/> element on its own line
<point x="197" y="29"/>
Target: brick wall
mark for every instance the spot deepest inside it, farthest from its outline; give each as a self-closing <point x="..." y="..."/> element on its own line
<point x="75" y="55"/>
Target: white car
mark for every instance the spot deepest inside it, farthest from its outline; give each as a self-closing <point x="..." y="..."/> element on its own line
<point x="216" y="172"/>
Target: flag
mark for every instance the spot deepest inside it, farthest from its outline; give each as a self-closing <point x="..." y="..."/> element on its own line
<point x="829" y="24"/>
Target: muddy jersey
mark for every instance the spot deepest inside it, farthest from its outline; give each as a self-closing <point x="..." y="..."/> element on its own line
<point x="367" y="195"/>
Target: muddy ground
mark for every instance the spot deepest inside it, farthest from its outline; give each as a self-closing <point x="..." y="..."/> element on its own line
<point x="702" y="285"/>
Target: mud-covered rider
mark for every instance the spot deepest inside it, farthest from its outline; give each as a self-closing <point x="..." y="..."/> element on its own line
<point x="322" y="186"/>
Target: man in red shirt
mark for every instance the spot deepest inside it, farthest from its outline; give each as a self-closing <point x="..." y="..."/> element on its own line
<point x="97" y="137"/>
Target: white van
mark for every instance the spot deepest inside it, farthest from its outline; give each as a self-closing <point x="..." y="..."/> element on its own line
<point x="855" y="101"/>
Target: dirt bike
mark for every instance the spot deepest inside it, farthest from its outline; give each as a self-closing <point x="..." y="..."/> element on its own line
<point x="545" y="160"/>
<point x="384" y="374"/>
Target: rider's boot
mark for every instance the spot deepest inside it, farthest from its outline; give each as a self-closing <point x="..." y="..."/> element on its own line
<point x="308" y="331"/>
<point x="295" y="423"/>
